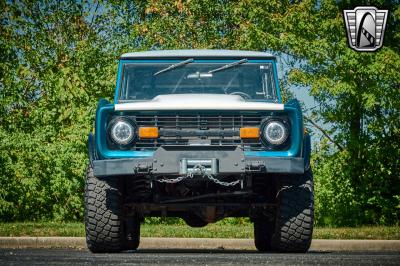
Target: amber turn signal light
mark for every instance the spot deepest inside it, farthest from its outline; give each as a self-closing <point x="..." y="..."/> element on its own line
<point x="249" y="132"/>
<point x="148" y="132"/>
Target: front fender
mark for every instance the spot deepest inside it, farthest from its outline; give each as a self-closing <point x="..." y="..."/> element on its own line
<point x="307" y="151"/>
<point x="92" y="149"/>
<point x="293" y="110"/>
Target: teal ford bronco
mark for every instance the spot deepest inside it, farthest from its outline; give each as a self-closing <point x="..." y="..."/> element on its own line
<point x="201" y="135"/>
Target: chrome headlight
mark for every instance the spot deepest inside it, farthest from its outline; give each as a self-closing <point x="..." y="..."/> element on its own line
<point x="275" y="132"/>
<point x="122" y="131"/>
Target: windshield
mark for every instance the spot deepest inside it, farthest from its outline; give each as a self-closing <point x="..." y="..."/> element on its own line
<point x="252" y="81"/>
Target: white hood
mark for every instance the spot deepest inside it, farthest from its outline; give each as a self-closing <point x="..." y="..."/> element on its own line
<point x="198" y="102"/>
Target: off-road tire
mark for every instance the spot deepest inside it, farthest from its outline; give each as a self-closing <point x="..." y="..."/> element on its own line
<point x="293" y="226"/>
<point x="104" y="224"/>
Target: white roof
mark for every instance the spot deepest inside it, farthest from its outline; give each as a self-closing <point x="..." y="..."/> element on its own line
<point x="195" y="53"/>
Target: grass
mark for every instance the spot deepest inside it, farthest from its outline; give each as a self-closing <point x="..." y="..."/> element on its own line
<point x="218" y="230"/>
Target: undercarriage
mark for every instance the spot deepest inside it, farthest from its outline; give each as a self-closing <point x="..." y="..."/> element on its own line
<point x="200" y="199"/>
<point x="280" y="206"/>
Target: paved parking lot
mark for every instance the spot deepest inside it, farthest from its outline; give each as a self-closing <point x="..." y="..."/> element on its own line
<point x="192" y="257"/>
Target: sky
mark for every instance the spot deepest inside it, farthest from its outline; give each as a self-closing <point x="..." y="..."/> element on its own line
<point x="300" y="92"/>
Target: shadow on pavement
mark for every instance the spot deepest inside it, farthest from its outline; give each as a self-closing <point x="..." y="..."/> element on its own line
<point x="217" y="251"/>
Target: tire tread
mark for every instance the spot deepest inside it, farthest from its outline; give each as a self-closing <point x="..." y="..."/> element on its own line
<point x="294" y="221"/>
<point x="103" y="214"/>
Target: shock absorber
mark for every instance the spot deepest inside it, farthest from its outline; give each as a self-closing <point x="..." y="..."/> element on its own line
<point x="265" y="186"/>
<point x="138" y="189"/>
<point x="259" y="184"/>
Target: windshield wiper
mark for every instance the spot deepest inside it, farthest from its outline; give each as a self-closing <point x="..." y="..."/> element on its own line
<point x="244" y="60"/>
<point x="174" y="66"/>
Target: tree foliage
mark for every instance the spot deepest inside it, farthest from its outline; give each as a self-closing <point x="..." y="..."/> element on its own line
<point x="55" y="65"/>
<point x="59" y="58"/>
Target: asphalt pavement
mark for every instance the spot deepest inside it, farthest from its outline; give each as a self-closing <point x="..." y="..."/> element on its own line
<point x="192" y="257"/>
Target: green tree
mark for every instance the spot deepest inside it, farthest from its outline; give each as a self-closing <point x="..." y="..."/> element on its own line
<point x="55" y="65"/>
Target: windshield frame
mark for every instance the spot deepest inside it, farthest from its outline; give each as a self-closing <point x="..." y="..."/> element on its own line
<point x="122" y="62"/>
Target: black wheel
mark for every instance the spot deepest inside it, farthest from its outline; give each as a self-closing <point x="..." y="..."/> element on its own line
<point x="293" y="226"/>
<point x="106" y="231"/>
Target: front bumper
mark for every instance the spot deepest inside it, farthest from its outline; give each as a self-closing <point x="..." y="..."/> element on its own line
<point x="178" y="160"/>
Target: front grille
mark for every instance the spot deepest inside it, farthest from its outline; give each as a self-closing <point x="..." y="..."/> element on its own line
<point x="192" y="130"/>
